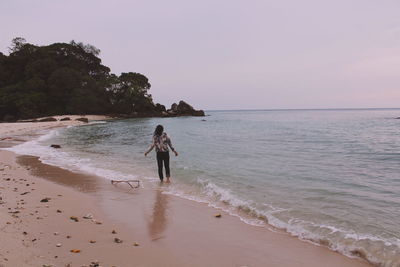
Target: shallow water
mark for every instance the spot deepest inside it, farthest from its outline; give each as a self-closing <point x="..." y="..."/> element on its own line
<point x="329" y="176"/>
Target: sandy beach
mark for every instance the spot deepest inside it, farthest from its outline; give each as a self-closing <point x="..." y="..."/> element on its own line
<point x="53" y="217"/>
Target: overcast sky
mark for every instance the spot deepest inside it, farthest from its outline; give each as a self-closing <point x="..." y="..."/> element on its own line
<point x="232" y="54"/>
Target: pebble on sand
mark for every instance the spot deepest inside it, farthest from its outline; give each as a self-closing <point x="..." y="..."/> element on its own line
<point x="117" y="240"/>
<point x="74" y="218"/>
<point x="46" y="199"/>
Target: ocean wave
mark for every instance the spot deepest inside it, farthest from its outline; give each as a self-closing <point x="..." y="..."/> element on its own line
<point x="377" y="250"/>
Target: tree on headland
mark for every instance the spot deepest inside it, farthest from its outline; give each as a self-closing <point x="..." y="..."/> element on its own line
<point x="66" y="78"/>
<point x="17" y="43"/>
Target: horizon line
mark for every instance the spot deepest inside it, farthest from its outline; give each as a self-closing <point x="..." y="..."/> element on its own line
<point x="293" y="109"/>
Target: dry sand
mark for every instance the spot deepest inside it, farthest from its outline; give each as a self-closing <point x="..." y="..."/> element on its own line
<point x="167" y="231"/>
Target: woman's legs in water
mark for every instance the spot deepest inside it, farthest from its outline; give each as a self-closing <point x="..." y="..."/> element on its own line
<point x="166" y="164"/>
<point x="163" y="157"/>
<point x="160" y="165"/>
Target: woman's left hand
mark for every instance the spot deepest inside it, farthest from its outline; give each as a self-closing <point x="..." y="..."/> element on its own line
<point x="176" y="153"/>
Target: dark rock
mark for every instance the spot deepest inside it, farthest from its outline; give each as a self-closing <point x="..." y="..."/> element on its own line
<point x="45" y="199"/>
<point x="55" y="146"/>
<point x="398" y="118"/>
<point x="184" y="109"/>
<point x="66" y="119"/>
<point x="82" y="119"/>
<point x="160" y="108"/>
<point x="174" y="107"/>
<point x="47" y="119"/>
<point x="199" y="113"/>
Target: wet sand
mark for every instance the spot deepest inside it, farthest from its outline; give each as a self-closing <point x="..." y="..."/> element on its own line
<point x="167" y="230"/>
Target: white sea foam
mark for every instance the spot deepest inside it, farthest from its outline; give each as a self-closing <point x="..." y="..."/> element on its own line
<point x="65" y="160"/>
<point x="341" y="240"/>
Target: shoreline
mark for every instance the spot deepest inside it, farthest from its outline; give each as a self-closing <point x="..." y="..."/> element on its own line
<point x="179" y="231"/>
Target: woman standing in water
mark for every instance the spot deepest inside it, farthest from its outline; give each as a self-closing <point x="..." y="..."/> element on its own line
<point x="161" y="141"/>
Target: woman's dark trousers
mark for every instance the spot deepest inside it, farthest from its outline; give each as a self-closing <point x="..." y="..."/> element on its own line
<point x="163" y="157"/>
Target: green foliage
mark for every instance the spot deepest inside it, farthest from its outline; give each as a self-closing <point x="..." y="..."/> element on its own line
<point x="66" y="78"/>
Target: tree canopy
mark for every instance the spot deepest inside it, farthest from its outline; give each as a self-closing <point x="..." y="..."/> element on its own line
<point x="67" y="78"/>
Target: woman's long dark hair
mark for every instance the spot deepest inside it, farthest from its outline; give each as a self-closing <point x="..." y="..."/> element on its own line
<point x="159" y="130"/>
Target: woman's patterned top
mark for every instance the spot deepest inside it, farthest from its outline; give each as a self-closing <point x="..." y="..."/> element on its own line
<point x="161" y="143"/>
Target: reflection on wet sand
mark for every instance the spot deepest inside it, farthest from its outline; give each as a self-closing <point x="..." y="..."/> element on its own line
<point x="79" y="181"/>
<point x="158" y="220"/>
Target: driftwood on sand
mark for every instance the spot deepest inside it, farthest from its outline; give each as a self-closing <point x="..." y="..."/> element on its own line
<point x="129" y="182"/>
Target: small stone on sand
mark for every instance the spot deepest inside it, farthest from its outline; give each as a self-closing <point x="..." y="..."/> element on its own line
<point x="74" y="218"/>
<point x="117" y="240"/>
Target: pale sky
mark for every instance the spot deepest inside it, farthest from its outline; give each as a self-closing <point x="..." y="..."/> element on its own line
<point x="232" y="54"/>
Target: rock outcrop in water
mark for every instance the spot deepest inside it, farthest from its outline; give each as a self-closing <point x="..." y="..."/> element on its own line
<point x="183" y="109"/>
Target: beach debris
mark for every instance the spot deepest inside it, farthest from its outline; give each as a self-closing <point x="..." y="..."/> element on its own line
<point x="96" y="222"/>
<point x="136" y="244"/>
<point x="44" y="265"/>
<point x="113" y="232"/>
<point x="94" y="264"/>
<point x="92" y="241"/>
<point x="75" y="250"/>
<point x="65" y="119"/>
<point x="55" y="146"/>
<point x="117" y="240"/>
<point x="24" y="193"/>
<point x="14" y="212"/>
<point x="58" y="245"/>
<point x="24" y="233"/>
<point x="56" y="233"/>
<point x="33" y="240"/>
<point x="218" y="215"/>
<point x="129" y="182"/>
<point x="46" y="199"/>
<point x="59" y="211"/>
<point x="68" y="236"/>
<point x="88" y="216"/>
<point x="74" y="218"/>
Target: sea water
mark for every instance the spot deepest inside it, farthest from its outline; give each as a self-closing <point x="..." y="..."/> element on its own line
<point x="328" y="176"/>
